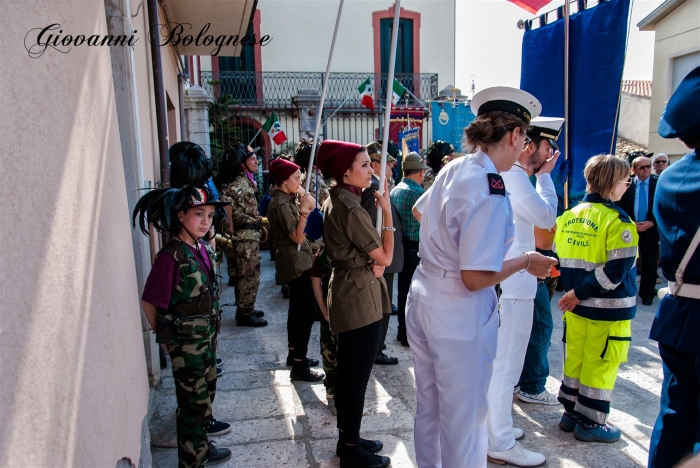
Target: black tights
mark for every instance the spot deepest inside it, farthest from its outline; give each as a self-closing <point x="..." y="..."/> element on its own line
<point x="357" y="350"/>
<point x="302" y="313"/>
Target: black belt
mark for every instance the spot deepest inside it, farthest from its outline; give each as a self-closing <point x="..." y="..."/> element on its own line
<point x="248" y="227"/>
<point x="409" y="243"/>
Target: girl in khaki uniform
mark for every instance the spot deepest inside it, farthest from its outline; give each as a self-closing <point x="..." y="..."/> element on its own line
<point x="287" y="223"/>
<point x="358" y="294"/>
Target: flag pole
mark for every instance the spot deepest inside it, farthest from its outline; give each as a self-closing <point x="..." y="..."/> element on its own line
<point x="387" y="109"/>
<point x="414" y="97"/>
<point x="567" y="12"/>
<point x="320" y="105"/>
<point x="339" y="107"/>
<point x="254" y="137"/>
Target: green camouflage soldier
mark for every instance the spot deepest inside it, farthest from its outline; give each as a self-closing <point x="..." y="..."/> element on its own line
<point x="181" y="303"/>
<point x="320" y="278"/>
<point x="244" y="226"/>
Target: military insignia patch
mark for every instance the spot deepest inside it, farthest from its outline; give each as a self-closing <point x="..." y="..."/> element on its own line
<point x="626" y="236"/>
<point x="496" y="185"/>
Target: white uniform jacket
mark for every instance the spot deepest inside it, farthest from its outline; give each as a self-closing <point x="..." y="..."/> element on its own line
<point x="464" y="226"/>
<point x="530" y="208"/>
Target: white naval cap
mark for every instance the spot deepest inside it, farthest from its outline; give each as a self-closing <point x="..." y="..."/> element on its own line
<point x="548" y="128"/>
<point x="512" y="100"/>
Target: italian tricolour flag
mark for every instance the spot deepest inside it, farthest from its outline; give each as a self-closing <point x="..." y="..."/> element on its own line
<point x="366" y="92"/>
<point x="273" y="128"/>
<point x="397" y="92"/>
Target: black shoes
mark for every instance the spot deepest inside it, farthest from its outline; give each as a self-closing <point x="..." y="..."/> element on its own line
<point x="216" y="455"/>
<point x="217" y="428"/>
<point x="356" y="456"/>
<point x="301" y="371"/>
<point x="372" y="446"/>
<point x="385" y="360"/>
<point x="285" y="291"/>
<point x="250" y="321"/>
<point x="402" y="338"/>
<point x="309" y="362"/>
<point x="647" y="301"/>
<point x="258" y="313"/>
<point x="394" y="310"/>
<point x="219" y="371"/>
<point x="231" y="281"/>
<point x="219" y="362"/>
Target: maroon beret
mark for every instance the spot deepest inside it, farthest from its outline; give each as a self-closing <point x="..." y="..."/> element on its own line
<point x="281" y="170"/>
<point x="336" y="157"/>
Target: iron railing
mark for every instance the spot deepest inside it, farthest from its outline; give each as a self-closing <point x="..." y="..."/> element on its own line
<point x="276" y="89"/>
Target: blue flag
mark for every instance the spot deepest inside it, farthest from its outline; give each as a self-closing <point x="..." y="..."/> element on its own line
<point x="597" y="47"/>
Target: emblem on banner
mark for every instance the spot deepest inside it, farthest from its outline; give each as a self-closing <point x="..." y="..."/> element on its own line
<point x="444" y="118"/>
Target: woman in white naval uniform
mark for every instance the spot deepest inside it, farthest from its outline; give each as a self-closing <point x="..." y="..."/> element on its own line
<point x="451" y="320"/>
<point x="530" y="208"/>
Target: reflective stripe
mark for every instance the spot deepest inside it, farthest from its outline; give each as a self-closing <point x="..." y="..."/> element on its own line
<point x="619" y="303"/>
<point x="622" y="253"/>
<point x="595" y="393"/>
<point x="597" y="416"/>
<point x="578" y="263"/>
<point x="603" y="279"/>
<point x="566" y="396"/>
<point x="571" y="382"/>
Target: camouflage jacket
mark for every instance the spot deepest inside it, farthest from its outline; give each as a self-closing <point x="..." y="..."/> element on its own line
<point x="242" y="194"/>
<point x="322" y="186"/>
<point x="194" y="305"/>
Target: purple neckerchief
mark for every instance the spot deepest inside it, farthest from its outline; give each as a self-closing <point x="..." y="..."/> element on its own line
<point x="350" y="188"/>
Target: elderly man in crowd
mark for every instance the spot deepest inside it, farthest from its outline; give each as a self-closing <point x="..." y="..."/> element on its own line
<point x="637" y="202"/>
<point x="660" y="163"/>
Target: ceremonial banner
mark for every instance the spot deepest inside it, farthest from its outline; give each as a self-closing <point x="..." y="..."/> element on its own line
<point x="399" y="122"/>
<point x="597" y="46"/>
<point x="450" y="121"/>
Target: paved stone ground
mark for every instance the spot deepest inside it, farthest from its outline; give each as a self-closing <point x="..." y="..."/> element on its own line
<point x="277" y="422"/>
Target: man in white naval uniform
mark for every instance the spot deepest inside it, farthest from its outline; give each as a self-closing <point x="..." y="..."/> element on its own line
<point x="451" y="315"/>
<point x="531" y="207"/>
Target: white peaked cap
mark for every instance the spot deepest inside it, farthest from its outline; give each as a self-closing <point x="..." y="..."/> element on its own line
<point x="512" y="100"/>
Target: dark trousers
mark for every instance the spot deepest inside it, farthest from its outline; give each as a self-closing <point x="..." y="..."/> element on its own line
<point x="357" y="350"/>
<point x="649" y="256"/>
<point x="410" y="263"/>
<point x="302" y="313"/>
<point x="536" y="368"/>
<point x="389" y="278"/>
<point x="676" y="433"/>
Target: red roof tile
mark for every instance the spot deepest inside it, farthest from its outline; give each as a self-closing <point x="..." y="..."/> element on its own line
<point x="637" y="87"/>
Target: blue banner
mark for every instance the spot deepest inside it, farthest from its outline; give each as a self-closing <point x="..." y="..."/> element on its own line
<point x="449" y="121"/>
<point x="597" y="46"/>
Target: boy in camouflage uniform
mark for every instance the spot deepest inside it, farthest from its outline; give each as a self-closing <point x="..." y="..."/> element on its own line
<point x="245" y="224"/>
<point x="181" y="303"/>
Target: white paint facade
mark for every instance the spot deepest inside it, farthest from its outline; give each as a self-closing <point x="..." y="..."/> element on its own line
<point x="634" y="123"/>
<point x="676" y="50"/>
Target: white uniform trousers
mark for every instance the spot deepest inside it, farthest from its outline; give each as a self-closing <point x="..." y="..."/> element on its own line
<point x="513" y="337"/>
<point x="452" y="333"/>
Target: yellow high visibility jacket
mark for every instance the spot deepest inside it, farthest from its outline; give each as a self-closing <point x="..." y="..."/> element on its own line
<point x="596" y="243"/>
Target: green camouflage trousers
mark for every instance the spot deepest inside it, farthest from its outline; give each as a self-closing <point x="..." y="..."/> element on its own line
<point x="247" y="277"/>
<point x="329" y="351"/>
<point x="194" y="371"/>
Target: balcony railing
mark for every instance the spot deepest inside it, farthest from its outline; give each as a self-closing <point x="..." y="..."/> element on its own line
<point x="276" y="89"/>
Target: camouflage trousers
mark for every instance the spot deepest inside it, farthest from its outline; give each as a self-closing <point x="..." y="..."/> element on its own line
<point x="247" y="274"/>
<point x="194" y="372"/>
<point x="329" y="351"/>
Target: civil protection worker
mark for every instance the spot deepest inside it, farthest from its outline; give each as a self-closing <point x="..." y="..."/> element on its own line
<point x="244" y="227"/>
<point x="596" y="242"/>
<point x="451" y="316"/>
<point x="530" y="208"/>
<point x="676" y="433"/>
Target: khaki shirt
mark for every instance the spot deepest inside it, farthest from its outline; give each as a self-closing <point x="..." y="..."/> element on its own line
<point x="283" y="216"/>
<point x="356" y="298"/>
